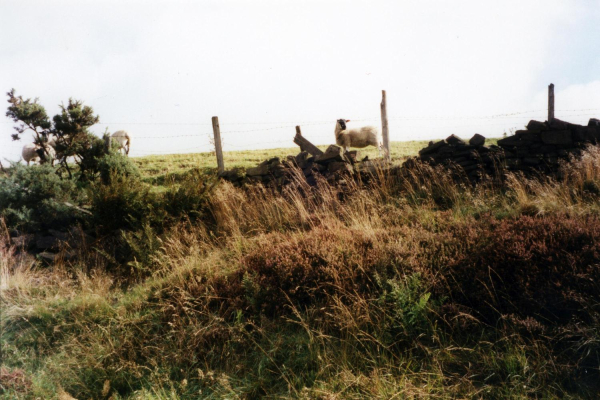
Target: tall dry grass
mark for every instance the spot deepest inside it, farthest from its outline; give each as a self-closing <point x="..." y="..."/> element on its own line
<point x="400" y="288"/>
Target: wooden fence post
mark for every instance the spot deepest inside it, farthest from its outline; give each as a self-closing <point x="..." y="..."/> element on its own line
<point x="218" y="148"/>
<point x="550" y="103"/>
<point x="384" y="126"/>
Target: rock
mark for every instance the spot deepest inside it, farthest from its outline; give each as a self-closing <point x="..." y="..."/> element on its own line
<point x="536" y="126"/>
<point x="262" y="169"/>
<point x="352" y="156"/>
<point x="513" y="162"/>
<point x="25" y="241"/>
<point x="454" y="140"/>
<point x="594" y="122"/>
<point x="333" y="153"/>
<point x="559" y="125"/>
<point x="532" y="160"/>
<point x="278" y="171"/>
<point x="46" y="242"/>
<point x="508" y="141"/>
<point x="339" y="166"/>
<point x="58" y="234"/>
<point x="233" y="175"/>
<point x="528" y="136"/>
<point x="291" y="160"/>
<point x="477" y="140"/>
<point x="271" y="162"/>
<point x="301" y="159"/>
<point x="557" y="137"/>
<point x="432" y="148"/>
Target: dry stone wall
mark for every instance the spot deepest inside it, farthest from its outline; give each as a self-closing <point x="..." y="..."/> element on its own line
<point x="334" y="165"/>
<point x="538" y="148"/>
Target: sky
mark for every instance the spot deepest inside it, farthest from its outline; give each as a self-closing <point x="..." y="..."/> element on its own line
<point x="161" y="69"/>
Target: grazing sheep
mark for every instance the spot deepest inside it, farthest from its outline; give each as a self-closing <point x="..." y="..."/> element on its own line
<point x="29" y="153"/>
<point x="123" y="139"/>
<point x="357" y="137"/>
<point x="33" y="152"/>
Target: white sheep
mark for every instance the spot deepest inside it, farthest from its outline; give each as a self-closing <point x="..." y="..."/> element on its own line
<point x="123" y="139"/>
<point x="31" y="153"/>
<point x="357" y="137"/>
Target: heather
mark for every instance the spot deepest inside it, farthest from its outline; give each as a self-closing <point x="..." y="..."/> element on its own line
<point x="420" y="286"/>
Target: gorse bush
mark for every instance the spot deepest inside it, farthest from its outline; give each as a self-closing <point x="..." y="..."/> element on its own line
<point x="124" y="203"/>
<point x="114" y="164"/>
<point x="33" y="198"/>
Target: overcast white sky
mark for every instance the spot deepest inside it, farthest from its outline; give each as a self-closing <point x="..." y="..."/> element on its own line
<point x="162" y="69"/>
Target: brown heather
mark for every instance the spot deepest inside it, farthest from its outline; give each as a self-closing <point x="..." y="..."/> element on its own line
<point x="418" y="288"/>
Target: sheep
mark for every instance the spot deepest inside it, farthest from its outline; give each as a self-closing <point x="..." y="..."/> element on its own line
<point x="357" y="137"/>
<point x="33" y="152"/>
<point x="29" y="153"/>
<point x="123" y="139"/>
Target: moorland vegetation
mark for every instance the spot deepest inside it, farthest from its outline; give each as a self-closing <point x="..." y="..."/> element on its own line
<point x="185" y="287"/>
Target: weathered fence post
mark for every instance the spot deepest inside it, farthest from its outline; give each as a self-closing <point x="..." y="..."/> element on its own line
<point x="550" y="103"/>
<point x="384" y="126"/>
<point x="218" y="148"/>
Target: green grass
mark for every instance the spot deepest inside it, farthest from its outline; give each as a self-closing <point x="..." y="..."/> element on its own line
<point x="160" y="169"/>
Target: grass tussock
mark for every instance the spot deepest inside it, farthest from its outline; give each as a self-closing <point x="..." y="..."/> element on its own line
<point x="411" y="288"/>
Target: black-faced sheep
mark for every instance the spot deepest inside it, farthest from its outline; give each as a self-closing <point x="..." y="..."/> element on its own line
<point x="357" y="137"/>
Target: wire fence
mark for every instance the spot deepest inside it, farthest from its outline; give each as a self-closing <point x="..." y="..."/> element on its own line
<point x="197" y="137"/>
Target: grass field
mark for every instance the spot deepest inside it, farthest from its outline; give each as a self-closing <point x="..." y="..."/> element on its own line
<point x="159" y="169"/>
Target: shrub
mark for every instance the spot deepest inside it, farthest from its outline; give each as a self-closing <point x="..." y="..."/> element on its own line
<point x="33" y="198"/>
<point x="118" y="165"/>
<point x="125" y="203"/>
<point x="189" y="199"/>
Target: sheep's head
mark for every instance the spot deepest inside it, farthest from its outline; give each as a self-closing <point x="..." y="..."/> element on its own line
<point x="342" y="123"/>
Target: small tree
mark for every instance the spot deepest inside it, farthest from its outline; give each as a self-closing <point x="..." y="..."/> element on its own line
<point x="71" y="128"/>
<point x="30" y="115"/>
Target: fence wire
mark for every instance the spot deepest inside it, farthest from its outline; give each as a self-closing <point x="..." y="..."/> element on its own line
<point x="203" y="141"/>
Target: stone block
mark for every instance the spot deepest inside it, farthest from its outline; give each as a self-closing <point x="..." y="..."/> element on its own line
<point x="25" y="241"/>
<point x="454" y="140"/>
<point x="508" y="141"/>
<point x="532" y="160"/>
<point x="536" y="126"/>
<point x="233" y="175"/>
<point x="477" y="140"/>
<point x="336" y="166"/>
<point x="302" y="159"/>
<point x="46" y="242"/>
<point x="513" y="162"/>
<point x="260" y="170"/>
<point x="528" y="136"/>
<point x="432" y="148"/>
<point x="562" y="137"/>
<point x="352" y="156"/>
<point x="333" y="153"/>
